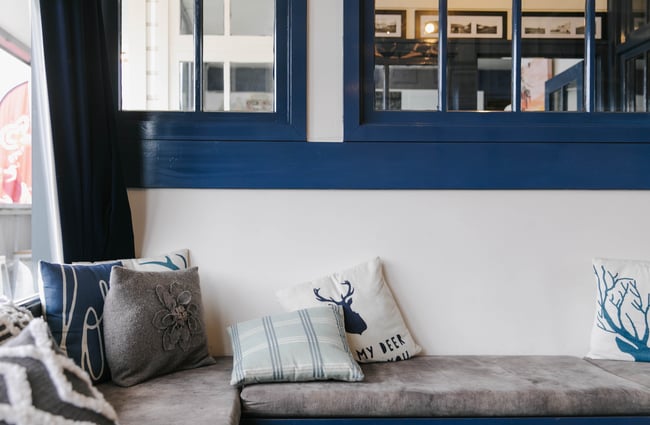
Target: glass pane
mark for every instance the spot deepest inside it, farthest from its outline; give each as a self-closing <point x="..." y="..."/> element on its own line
<point x="479" y="58"/>
<point x="251" y="88"/>
<point x="252" y="17"/>
<point x="238" y="69"/>
<point x="636" y="84"/>
<point x="213" y="79"/>
<point x="406" y="60"/>
<point x="187" y="17"/>
<point x="406" y="56"/>
<point x="157" y="55"/>
<point x="552" y="75"/>
<point x="494" y="83"/>
<point x="626" y="78"/>
<point x="16" y="266"/>
<point x="157" y="47"/>
<point x="212" y="17"/>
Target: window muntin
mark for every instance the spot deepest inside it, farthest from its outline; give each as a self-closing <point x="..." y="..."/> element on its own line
<point x="158" y="52"/>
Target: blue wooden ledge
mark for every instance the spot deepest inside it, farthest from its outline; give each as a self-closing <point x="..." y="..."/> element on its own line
<point x="385" y="165"/>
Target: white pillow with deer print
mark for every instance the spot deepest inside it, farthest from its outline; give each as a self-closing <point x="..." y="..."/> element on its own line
<point x="374" y="325"/>
<point x="622" y="324"/>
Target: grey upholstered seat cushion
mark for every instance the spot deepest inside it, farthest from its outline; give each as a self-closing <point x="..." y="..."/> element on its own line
<point x="453" y="386"/>
<point x="197" y="396"/>
<point x="634" y="371"/>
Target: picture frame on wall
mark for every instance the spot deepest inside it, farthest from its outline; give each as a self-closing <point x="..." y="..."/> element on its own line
<point x="390" y="23"/>
<point x="461" y="24"/>
<point x="558" y="25"/>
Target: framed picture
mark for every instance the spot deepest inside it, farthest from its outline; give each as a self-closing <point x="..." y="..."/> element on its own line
<point x="558" y="25"/>
<point x="461" y="24"/>
<point x="390" y="23"/>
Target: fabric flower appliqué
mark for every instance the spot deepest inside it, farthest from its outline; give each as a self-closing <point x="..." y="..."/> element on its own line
<point x="179" y="318"/>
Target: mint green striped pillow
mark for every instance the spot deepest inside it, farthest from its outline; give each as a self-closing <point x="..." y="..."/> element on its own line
<point x="303" y="345"/>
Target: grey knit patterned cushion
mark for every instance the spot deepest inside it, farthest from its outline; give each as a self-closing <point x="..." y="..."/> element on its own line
<point x="13" y="319"/>
<point x="153" y="324"/>
<point x="40" y="385"/>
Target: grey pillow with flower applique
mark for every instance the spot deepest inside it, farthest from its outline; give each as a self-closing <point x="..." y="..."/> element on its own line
<point x="153" y="324"/>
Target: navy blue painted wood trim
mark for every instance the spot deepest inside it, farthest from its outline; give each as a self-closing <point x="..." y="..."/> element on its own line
<point x="612" y="420"/>
<point x="310" y="165"/>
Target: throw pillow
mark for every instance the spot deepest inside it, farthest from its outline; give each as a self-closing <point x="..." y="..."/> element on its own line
<point x="153" y="324"/>
<point x="373" y="322"/>
<point x="39" y="385"/>
<point x="13" y="319"/>
<point x="174" y="260"/>
<point x="622" y="324"/>
<point x="304" y="345"/>
<point x="73" y="304"/>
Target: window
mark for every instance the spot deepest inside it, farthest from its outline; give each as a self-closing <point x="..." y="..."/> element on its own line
<point x="409" y="124"/>
<point x="15" y="153"/>
<point x="578" y="75"/>
<point x="249" y="83"/>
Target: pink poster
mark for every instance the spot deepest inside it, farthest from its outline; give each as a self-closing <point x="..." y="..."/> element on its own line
<point x="534" y="73"/>
<point x="16" y="147"/>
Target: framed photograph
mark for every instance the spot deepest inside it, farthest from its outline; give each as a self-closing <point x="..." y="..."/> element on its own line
<point x="558" y="25"/>
<point x="390" y="23"/>
<point x="461" y="24"/>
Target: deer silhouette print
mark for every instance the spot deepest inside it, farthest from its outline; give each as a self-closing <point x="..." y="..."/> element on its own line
<point x="354" y="323"/>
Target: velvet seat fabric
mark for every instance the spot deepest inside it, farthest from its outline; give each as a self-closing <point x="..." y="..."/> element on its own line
<point x="459" y="386"/>
<point x="197" y="396"/>
<point x="638" y="372"/>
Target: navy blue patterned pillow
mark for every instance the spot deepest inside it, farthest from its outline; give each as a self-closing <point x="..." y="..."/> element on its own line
<point x="73" y="306"/>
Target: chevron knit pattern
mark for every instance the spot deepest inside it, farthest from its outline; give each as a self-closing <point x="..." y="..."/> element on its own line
<point x="39" y="385"/>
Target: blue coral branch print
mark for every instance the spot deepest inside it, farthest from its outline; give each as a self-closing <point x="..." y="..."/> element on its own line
<point x="623" y="311"/>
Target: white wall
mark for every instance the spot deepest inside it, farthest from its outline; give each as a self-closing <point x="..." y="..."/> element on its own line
<point x="475" y="272"/>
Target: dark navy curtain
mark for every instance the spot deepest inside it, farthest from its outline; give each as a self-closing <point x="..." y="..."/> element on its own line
<point x="79" y="38"/>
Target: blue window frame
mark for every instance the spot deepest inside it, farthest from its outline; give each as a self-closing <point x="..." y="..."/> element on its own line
<point x="364" y="123"/>
<point x="393" y="150"/>
<point x="287" y="122"/>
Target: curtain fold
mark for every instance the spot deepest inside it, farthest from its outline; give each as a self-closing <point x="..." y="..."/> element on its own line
<point x="93" y="203"/>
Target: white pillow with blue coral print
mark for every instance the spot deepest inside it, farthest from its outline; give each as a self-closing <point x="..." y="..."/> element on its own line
<point x="175" y="260"/>
<point x="622" y="325"/>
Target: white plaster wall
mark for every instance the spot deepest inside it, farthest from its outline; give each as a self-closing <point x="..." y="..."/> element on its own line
<point x="475" y="272"/>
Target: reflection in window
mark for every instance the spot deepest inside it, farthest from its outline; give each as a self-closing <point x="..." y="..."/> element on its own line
<point x="213" y="97"/>
<point x="252" y="17"/>
<point x="251" y="87"/>
<point x="479" y="51"/>
<point x="16" y="277"/>
<point x="158" y="51"/>
<point x="212" y="17"/>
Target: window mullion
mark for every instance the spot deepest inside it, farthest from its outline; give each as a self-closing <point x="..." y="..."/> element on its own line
<point x="516" y="55"/>
<point x="442" y="55"/>
<point x="590" y="56"/>
<point x="198" y="55"/>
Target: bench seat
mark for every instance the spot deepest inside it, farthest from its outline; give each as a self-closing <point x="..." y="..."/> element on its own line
<point x="198" y="396"/>
<point x="462" y="386"/>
